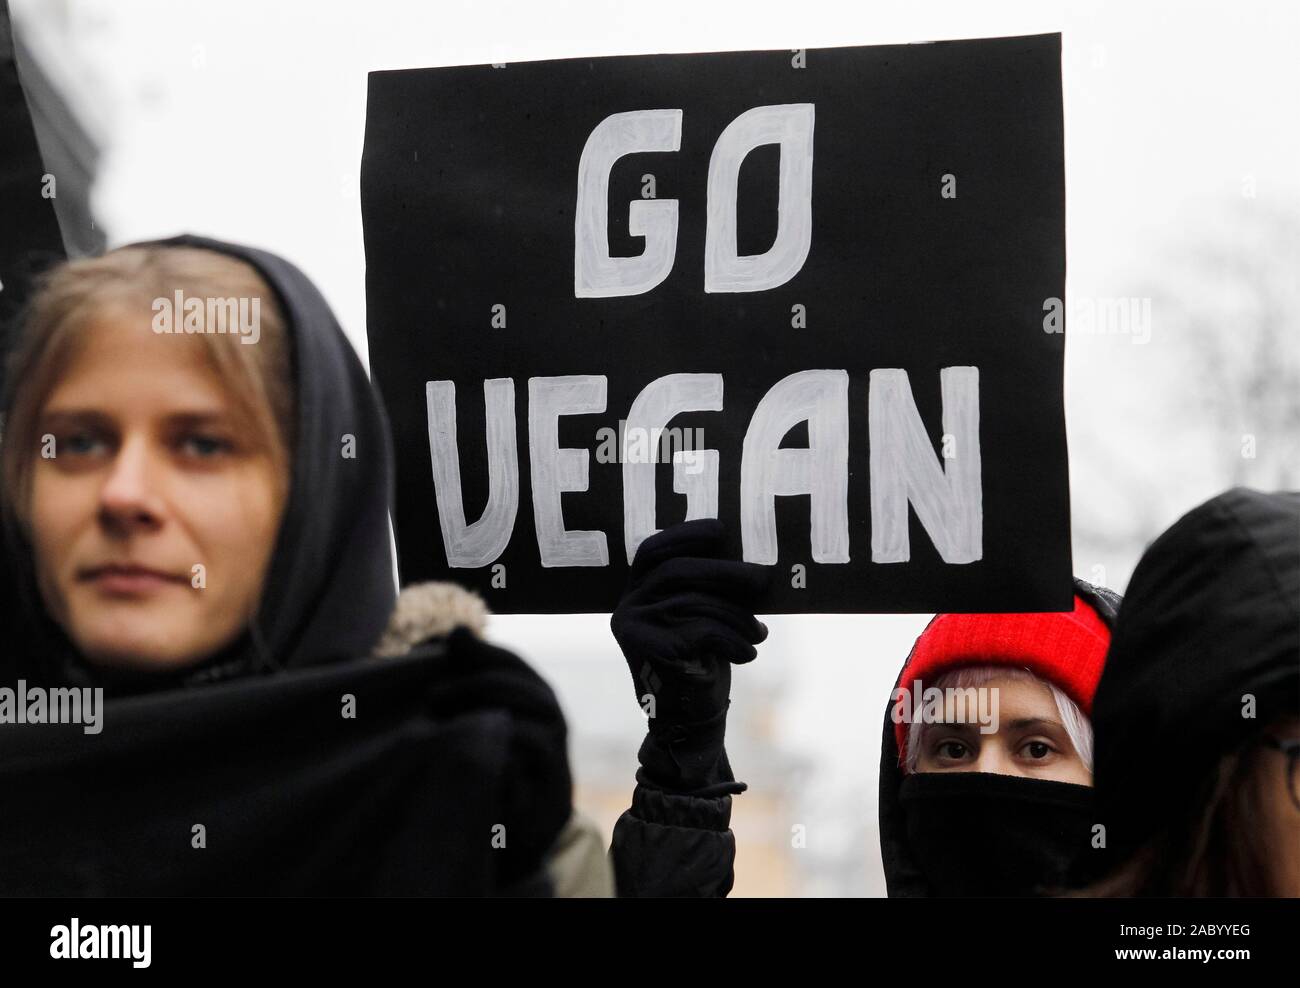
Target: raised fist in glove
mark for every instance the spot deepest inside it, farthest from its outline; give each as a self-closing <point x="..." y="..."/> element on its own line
<point x="686" y="616"/>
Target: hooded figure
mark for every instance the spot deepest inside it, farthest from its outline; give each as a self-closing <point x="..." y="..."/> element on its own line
<point x="288" y="762"/>
<point x="966" y="833"/>
<point x="329" y="588"/>
<point x="1203" y="668"/>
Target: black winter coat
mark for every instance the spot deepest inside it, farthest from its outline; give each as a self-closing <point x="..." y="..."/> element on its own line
<point x="674" y="845"/>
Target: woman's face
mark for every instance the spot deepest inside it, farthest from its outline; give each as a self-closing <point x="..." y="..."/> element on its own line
<point x="1030" y="739"/>
<point x="154" y="520"/>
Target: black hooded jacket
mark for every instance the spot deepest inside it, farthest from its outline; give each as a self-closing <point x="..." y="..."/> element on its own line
<point x="291" y="763"/>
<point x="903" y="874"/>
<point x="1205" y="655"/>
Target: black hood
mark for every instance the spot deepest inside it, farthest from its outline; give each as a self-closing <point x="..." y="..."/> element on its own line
<point x="1212" y="614"/>
<point x="340" y="774"/>
<point x="329" y="588"/>
<point x="903" y="875"/>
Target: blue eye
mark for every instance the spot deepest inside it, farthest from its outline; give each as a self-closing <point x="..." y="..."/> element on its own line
<point x="81" y="443"/>
<point x="204" y="447"/>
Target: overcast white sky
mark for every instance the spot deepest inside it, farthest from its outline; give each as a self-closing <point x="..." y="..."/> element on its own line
<point x="245" y="118"/>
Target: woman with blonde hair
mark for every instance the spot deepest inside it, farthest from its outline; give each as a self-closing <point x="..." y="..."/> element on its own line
<point x="196" y="483"/>
<point x="182" y="505"/>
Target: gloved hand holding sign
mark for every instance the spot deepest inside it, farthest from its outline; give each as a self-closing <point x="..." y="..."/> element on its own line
<point x="687" y="614"/>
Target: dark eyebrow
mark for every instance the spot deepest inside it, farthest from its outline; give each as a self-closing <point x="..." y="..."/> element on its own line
<point x="191" y="419"/>
<point x="90" y="416"/>
<point x="74" y="416"/>
<point x="952" y="726"/>
<point x="1021" y="722"/>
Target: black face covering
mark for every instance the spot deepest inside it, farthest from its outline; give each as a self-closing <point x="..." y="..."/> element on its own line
<point x="977" y="834"/>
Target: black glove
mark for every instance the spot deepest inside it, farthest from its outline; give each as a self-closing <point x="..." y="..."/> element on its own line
<point x="686" y="615"/>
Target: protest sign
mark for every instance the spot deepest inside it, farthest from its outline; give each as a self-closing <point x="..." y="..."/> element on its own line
<point x="807" y="292"/>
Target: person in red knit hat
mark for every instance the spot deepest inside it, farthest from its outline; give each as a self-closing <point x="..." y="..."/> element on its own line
<point x="986" y="763"/>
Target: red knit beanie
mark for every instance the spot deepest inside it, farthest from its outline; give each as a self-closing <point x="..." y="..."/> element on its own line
<point x="1067" y="649"/>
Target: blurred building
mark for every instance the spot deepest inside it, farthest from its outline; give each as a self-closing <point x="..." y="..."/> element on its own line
<point x="46" y="39"/>
<point x="774" y="858"/>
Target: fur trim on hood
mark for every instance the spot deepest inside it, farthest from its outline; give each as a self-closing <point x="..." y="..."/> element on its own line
<point x="430" y="610"/>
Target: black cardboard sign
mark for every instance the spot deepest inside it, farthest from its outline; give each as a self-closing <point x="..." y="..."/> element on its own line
<point x="801" y="291"/>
